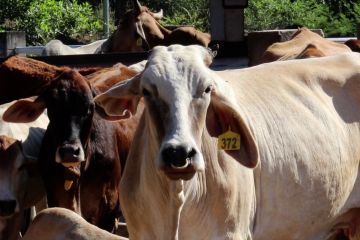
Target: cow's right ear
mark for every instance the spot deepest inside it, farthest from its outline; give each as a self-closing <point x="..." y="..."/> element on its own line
<point x="224" y="115"/>
<point x="24" y="111"/>
<point x="120" y="100"/>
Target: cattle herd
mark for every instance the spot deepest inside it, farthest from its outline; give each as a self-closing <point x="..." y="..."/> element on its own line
<point x="170" y="149"/>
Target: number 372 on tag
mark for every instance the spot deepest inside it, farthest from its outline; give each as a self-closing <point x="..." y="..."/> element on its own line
<point x="229" y="141"/>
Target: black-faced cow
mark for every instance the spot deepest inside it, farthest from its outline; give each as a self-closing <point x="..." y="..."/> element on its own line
<point x="81" y="154"/>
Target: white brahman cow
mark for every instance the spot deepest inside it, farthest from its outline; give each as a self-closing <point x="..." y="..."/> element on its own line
<point x="56" y="47"/>
<point x="295" y="175"/>
<point x="21" y="186"/>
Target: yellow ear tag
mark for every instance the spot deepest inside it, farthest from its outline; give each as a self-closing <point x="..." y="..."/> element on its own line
<point x="139" y="42"/>
<point x="229" y="141"/>
<point x="68" y="184"/>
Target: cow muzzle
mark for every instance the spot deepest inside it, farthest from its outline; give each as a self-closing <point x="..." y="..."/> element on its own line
<point x="71" y="155"/>
<point x="7" y="208"/>
<point x="179" y="161"/>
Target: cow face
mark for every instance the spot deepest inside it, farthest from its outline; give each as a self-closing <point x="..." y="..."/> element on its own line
<point x="136" y="31"/>
<point x="70" y="108"/>
<point x="180" y="94"/>
<point x="15" y="169"/>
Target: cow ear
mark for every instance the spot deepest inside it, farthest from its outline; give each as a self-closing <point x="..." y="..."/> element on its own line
<point x="223" y="115"/>
<point x="24" y="111"/>
<point x="119" y="101"/>
<point x="140" y="32"/>
<point x="210" y="54"/>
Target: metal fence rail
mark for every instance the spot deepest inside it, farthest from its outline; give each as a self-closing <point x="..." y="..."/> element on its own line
<point x="34" y="50"/>
<point x="111" y="58"/>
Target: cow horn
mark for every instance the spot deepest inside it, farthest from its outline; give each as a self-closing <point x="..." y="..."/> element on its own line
<point x="159" y="15"/>
<point x="22" y="77"/>
<point x="137" y="6"/>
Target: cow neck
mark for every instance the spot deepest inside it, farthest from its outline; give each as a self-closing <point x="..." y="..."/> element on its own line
<point x="177" y="191"/>
<point x="173" y="200"/>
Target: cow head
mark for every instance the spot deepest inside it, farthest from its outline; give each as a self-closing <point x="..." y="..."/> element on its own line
<point x="135" y="32"/>
<point x="183" y="98"/>
<point x="68" y="100"/>
<point x="16" y="169"/>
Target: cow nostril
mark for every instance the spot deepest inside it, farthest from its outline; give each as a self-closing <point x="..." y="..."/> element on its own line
<point x="178" y="156"/>
<point x="7" y="207"/>
<point x="69" y="151"/>
<point x="192" y="153"/>
<point x="77" y="151"/>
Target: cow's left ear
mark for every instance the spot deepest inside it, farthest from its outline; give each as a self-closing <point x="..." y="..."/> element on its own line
<point x="24" y="111"/>
<point x="119" y="101"/>
<point x="211" y="53"/>
<point x="223" y="115"/>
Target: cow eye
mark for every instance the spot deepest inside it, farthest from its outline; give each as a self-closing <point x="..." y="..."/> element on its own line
<point x="146" y="92"/>
<point x="208" y="89"/>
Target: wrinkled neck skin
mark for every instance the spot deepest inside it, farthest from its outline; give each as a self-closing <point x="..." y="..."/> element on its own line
<point x="204" y="207"/>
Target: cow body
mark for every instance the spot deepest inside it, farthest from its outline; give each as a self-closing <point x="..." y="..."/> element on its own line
<point x="295" y="175"/>
<point x="353" y="44"/>
<point x="138" y="31"/>
<point x="81" y="154"/>
<point x="21" y="186"/>
<point x="56" y="48"/>
<point x="303" y="44"/>
<point x="63" y="224"/>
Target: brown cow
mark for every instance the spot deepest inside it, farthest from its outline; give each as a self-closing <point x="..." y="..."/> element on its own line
<point x="353" y="44"/>
<point x="137" y="31"/>
<point x="140" y="30"/>
<point x="125" y="42"/>
<point x="303" y="44"/>
<point x="81" y="154"/>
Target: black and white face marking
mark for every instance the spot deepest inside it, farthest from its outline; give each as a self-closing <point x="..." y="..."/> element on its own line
<point x="70" y="109"/>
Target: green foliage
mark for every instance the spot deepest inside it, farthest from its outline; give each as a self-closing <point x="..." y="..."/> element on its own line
<point x="272" y="14"/>
<point x="182" y="12"/>
<point x="336" y="18"/>
<point x="13" y="9"/>
<point x="44" y="20"/>
<point x="47" y="19"/>
<point x="10" y="10"/>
